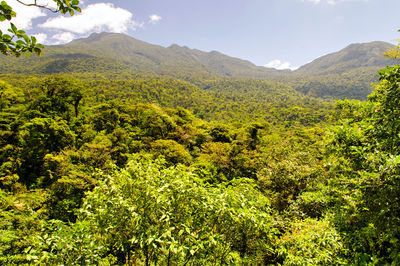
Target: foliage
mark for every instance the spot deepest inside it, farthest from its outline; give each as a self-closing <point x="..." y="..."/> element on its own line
<point x="172" y="151"/>
<point x="25" y="44"/>
<point x="58" y="243"/>
<point x="147" y="213"/>
<point x="20" y="218"/>
<point x="293" y="165"/>
<point x="366" y="169"/>
<point x="311" y="242"/>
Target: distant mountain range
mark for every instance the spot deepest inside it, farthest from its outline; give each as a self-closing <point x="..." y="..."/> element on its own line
<point x="113" y="52"/>
<point x="119" y="53"/>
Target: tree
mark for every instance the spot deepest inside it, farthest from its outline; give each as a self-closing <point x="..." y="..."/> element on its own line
<point x="18" y="42"/>
<point x="394" y="53"/>
<point x="365" y="172"/>
<point x="148" y="214"/>
<point x="311" y="242"/>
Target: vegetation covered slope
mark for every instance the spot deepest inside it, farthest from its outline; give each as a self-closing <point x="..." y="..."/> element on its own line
<point x="114" y="52"/>
<point x="214" y="99"/>
<point x="352" y="57"/>
<point x="346" y="74"/>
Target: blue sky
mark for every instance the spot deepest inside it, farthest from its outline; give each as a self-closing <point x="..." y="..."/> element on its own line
<point x="281" y="33"/>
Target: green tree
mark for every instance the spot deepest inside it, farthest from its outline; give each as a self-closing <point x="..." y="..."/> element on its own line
<point x="58" y="97"/>
<point x="37" y="138"/>
<point x="365" y="172"/>
<point x="171" y="150"/>
<point x="150" y="214"/>
<point x="311" y="242"/>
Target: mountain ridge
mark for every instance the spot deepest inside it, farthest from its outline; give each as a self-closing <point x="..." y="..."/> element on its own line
<point x="135" y="54"/>
<point x="346" y="73"/>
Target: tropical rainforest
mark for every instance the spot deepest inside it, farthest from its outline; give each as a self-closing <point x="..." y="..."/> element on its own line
<point x="165" y="166"/>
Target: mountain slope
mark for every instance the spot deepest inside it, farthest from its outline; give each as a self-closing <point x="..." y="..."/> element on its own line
<point x="115" y="52"/>
<point x="347" y="73"/>
<point x="352" y="57"/>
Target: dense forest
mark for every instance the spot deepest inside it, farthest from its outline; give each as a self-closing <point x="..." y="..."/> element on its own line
<point x="157" y="170"/>
<point x="225" y="164"/>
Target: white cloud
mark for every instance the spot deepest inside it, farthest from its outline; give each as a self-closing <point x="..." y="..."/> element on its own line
<point x="41" y="37"/>
<point x="95" y="17"/>
<point x="278" y="64"/>
<point x="25" y="15"/>
<point x="154" y="18"/>
<point x="64" y="37"/>
<point x="312" y="1"/>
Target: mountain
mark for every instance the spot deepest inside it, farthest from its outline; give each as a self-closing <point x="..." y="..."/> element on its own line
<point x="352" y="57"/>
<point x="344" y="74"/>
<point x="113" y="52"/>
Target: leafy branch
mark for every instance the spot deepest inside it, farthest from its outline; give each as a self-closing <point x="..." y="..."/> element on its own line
<point x="19" y="42"/>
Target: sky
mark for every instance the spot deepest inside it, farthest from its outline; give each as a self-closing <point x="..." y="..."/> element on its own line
<point x="274" y="33"/>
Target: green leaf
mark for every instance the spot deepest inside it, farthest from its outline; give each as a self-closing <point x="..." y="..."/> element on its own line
<point x="26" y="38"/>
<point x="6" y="38"/>
<point x="38" y="51"/>
<point x="13" y="28"/>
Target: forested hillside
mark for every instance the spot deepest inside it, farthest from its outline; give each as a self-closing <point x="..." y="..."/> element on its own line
<point x="213" y="99"/>
<point x="112" y="52"/>
<point x="346" y="74"/>
<point x="352" y="57"/>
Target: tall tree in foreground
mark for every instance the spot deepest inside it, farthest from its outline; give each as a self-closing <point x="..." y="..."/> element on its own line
<point x="366" y="172"/>
<point x="150" y="214"/>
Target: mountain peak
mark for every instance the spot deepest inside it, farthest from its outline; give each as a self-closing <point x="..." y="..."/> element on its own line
<point x="98" y="37"/>
<point x="174" y="46"/>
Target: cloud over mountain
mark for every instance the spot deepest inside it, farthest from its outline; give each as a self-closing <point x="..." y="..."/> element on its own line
<point x="278" y="64"/>
<point x="95" y="17"/>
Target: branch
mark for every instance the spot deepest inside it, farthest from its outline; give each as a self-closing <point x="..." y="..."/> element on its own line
<point x="41" y="6"/>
